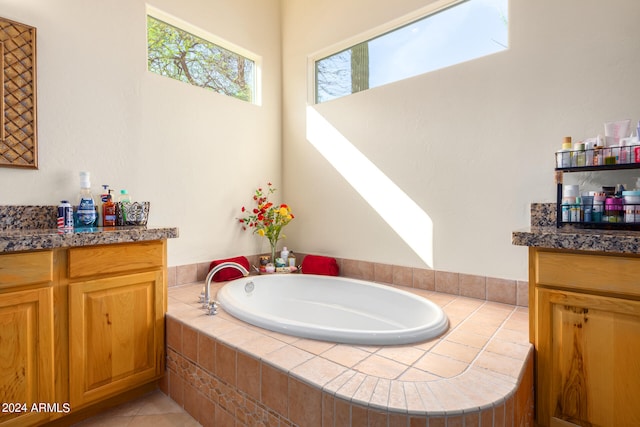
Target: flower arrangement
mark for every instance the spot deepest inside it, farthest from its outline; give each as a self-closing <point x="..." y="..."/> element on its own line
<point x="267" y="219"/>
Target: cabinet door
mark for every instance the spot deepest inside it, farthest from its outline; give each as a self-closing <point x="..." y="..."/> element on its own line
<point x="588" y="360"/>
<point x="26" y="356"/>
<point x="116" y="335"/>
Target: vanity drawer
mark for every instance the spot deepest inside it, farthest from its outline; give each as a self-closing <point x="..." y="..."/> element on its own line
<point x="115" y="259"/>
<point x="599" y="273"/>
<point x="26" y="268"/>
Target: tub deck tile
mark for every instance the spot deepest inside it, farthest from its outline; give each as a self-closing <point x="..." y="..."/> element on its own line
<point x="470" y="373"/>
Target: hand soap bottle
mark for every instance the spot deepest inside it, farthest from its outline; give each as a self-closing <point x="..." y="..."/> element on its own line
<point x="109" y="211"/>
<point x="86" y="216"/>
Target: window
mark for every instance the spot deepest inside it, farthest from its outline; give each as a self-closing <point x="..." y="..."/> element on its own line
<point x="183" y="52"/>
<point x="457" y="33"/>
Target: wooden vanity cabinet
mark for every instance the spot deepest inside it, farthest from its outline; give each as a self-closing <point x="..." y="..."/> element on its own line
<point x="79" y="327"/>
<point x="585" y="325"/>
<point x="26" y="337"/>
<point x="116" y="319"/>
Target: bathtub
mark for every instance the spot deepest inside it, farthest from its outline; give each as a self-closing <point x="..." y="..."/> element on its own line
<point x="333" y="309"/>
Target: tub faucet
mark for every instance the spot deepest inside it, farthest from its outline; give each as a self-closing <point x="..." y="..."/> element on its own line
<point x="208" y="303"/>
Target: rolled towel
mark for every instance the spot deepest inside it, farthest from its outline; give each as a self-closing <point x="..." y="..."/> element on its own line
<point x="229" y="273"/>
<point x="316" y="264"/>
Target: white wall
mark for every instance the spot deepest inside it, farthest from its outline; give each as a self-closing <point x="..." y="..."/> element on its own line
<point x="471" y="144"/>
<point x="196" y="155"/>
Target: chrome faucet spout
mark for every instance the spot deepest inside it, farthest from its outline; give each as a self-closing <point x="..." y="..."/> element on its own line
<point x="214" y="270"/>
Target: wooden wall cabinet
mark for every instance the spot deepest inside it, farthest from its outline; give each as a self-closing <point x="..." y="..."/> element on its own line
<point x="79" y="326"/>
<point x="585" y="325"/>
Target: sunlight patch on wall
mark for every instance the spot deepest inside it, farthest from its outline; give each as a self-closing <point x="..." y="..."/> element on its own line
<point x="396" y="208"/>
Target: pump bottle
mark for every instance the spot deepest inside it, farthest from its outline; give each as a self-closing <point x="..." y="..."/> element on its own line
<point x="87" y="216"/>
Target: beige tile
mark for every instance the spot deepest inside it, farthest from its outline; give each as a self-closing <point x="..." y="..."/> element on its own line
<point x="448" y="282"/>
<point x="190" y="343"/>
<point x="460" y="352"/>
<point x="351" y="386"/>
<point x="473" y="286"/>
<point x="338" y="382"/>
<point x="468" y="338"/>
<point x="202" y="270"/>
<point x="248" y="375"/>
<point x="501" y="364"/>
<point x="186" y="274"/>
<point x="406" y="355"/>
<point x="206" y="352"/>
<point x="509" y="349"/>
<point x="522" y="293"/>
<point x="365" y="390"/>
<point x="226" y="363"/>
<point x="274" y="389"/>
<point x="313" y="346"/>
<point x="380" y="395"/>
<point x="345" y="355"/>
<point x="442" y="366"/>
<point x="424" y="279"/>
<point x="357" y="269"/>
<point x="318" y="371"/>
<point x="174" y="333"/>
<point x="156" y="403"/>
<point x="413" y="399"/>
<point x="172" y="276"/>
<point x="501" y="290"/>
<point x="305" y="403"/>
<point x="288" y="357"/>
<point x="415" y="375"/>
<point x="397" y="398"/>
<point x="380" y="367"/>
<point x="262" y="345"/>
<point x="402" y="276"/>
<point x="164" y="420"/>
<point x="383" y="273"/>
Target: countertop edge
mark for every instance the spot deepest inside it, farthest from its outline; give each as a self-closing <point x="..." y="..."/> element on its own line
<point x="616" y="241"/>
<point x="39" y="239"/>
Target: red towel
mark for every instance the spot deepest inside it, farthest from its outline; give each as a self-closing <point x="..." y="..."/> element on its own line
<point x="229" y="273"/>
<point x="316" y="264"/>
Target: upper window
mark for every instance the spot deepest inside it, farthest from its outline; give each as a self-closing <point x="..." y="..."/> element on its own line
<point x="466" y="30"/>
<point x="183" y="52"/>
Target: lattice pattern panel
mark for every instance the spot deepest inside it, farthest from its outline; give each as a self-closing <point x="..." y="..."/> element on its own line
<point x="18" y="143"/>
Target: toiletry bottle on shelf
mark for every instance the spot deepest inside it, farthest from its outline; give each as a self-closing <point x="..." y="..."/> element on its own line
<point x="284" y="254"/>
<point x="291" y="261"/>
<point x="124" y="196"/>
<point x="101" y="201"/>
<point x="123" y="199"/>
<point x="109" y="211"/>
<point x="87" y="216"/>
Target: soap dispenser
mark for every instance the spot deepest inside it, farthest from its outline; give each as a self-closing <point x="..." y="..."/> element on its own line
<point x="87" y="216"/>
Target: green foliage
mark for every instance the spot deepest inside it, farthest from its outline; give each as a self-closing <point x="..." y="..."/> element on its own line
<point x="175" y="53"/>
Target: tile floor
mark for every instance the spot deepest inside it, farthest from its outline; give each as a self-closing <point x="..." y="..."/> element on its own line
<point x="154" y="409"/>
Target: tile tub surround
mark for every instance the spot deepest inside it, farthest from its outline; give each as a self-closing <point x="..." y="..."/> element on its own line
<point x="224" y="371"/>
<point x="514" y="292"/>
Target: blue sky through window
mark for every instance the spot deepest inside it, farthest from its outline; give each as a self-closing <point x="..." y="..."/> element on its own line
<point x="466" y="31"/>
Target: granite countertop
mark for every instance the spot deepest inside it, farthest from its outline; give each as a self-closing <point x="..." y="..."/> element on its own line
<point x="27" y="228"/>
<point x="543" y="233"/>
<point x="33" y="239"/>
<point x="619" y="241"/>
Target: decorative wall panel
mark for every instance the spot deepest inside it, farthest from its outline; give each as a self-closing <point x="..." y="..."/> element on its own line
<point x="18" y="137"/>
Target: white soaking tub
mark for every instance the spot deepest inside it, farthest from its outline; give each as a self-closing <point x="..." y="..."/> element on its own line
<point x="333" y="309"/>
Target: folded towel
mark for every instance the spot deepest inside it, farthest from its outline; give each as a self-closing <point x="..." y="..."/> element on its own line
<point x="229" y="273"/>
<point x="316" y="264"/>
